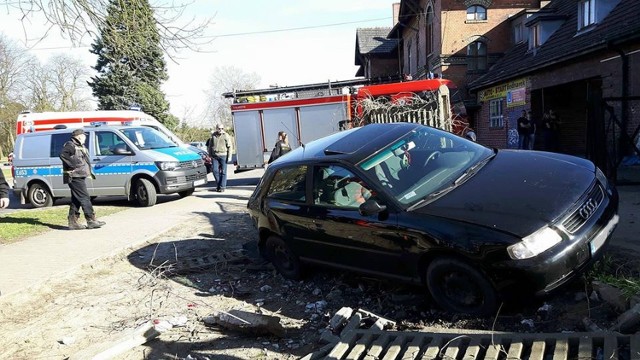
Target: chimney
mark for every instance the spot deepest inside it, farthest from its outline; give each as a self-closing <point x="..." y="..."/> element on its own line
<point x="396" y="13"/>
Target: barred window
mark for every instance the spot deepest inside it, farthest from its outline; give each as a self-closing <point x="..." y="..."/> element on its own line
<point x="496" y="117"/>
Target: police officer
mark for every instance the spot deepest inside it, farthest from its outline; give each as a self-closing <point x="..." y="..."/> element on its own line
<point x="4" y="191"/>
<point x="76" y="168"/>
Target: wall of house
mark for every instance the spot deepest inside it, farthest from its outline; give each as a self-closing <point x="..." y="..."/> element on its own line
<point x="566" y="89"/>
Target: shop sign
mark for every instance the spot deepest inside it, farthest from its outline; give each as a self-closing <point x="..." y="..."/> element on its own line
<point x="500" y="91"/>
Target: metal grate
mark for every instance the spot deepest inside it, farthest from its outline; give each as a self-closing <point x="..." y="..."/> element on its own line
<point x="392" y="345"/>
<point x="361" y="335"/>
<point x="190" y="164"/>
<point x="575" y="221"/>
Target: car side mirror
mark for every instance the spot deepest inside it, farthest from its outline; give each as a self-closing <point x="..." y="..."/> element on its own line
<point x="121" y="151"/>
<point x="371" y="207"/>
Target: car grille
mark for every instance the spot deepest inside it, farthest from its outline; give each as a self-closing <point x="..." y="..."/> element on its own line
<point x="584" y="212"/>
<point x="184" y="179"/>
<point x="190" y="164"/>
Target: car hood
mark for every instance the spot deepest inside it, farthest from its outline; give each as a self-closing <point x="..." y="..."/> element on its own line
<point x="517" y="192"/>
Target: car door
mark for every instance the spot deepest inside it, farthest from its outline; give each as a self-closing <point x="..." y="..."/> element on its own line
<point x="112" y="170"/>
<point x="286" y="205"/>
<point x="342" y="236"/>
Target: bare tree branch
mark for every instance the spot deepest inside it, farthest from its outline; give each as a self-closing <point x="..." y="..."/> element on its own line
<point x="79" y="19"/>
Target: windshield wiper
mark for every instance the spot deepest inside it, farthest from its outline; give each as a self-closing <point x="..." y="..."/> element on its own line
<point x="472" y="170"/>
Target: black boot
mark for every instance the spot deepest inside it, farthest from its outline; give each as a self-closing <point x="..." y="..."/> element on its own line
<point x="93" y="223"/>
<point x="74" y="224"/>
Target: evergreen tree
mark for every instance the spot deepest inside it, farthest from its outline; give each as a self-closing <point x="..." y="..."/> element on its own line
<point x="130" y="65"/>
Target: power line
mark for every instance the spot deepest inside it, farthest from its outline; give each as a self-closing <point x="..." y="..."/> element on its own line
<point x="295" y="28"/>
<point x="240" y="34"/>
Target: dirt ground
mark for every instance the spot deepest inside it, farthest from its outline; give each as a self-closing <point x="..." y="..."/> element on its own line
<point x="94" y="308"/>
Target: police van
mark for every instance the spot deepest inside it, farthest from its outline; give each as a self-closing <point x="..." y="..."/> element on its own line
<point x="138" y="162"/>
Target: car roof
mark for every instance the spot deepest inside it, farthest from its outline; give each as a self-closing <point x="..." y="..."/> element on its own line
<point x="352" y="145"/>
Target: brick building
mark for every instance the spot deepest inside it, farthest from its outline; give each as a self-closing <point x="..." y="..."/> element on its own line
<point x="580" y="58"/>
<point x="455" y="39"/>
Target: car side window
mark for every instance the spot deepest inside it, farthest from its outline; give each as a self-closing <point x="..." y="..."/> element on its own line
<point x="289" y="184"/>
<point x="336" y="186"/>
<point x="107" y="142"/>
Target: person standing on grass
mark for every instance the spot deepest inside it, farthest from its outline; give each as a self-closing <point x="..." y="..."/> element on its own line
<point x="4" y="192"/>
<point x="75" y="170"/>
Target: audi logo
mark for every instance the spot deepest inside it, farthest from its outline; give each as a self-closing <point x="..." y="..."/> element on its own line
<point x="588" y="209"/>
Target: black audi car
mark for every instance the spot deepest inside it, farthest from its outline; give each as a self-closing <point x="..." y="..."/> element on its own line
<point x="417" y="204"/>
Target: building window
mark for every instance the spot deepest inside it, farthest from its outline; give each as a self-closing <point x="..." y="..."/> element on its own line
<point x="496" y="118"/>
<point x="476" y="13"/>
<point x="586" y="13"/>
<point x="518" y="33"/>
<point x="429" y="38"/>
<point x="536" y="39"/>
<point x="409" y="58"/>
<point x="477" y="56"/>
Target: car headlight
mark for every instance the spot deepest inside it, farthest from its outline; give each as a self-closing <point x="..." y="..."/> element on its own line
<point x="167" y="165"/>
<point x="534" y="244"/>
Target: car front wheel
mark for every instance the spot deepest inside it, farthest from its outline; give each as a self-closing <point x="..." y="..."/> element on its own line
<point x="458" y="287"/>
<point x="284" y="260"/>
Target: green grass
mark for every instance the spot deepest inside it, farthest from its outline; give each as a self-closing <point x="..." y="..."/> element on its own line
<point x="20" y="225"/>
<point x="619" y="271"/>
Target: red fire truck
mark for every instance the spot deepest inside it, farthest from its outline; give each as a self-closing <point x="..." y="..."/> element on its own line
<point x="309" y="112"/>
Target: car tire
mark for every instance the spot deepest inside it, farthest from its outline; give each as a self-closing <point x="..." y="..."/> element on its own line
<point x="39" y="195"/>
<point x="186" y="193"/>
<point x="282" y="258"/>
<point x="145" y="193"/>
<point x="457" y="287"/>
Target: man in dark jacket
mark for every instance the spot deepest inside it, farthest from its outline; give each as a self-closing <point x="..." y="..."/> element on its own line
<point x="4" y="191"/>
<point x="75" y="170"/>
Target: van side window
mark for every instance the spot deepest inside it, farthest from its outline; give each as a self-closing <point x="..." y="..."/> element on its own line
<point x="107" y="142"/>
<point x="57" y="142"/>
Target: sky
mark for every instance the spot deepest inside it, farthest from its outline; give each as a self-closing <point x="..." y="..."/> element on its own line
<point x="285" y="42"/>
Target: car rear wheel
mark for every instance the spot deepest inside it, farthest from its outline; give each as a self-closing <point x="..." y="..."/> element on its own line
<point x="39" y="196"/>
<point x="284" y="260"/>
<point x="458" y="287"/>
<point x="145" y="193"/>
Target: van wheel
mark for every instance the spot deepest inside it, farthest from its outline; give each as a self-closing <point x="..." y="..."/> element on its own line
<point x="186" y="193"/>
<point x="145" y="193"/>
<point x="458" y="287"/>
<point x="39" y="196"/>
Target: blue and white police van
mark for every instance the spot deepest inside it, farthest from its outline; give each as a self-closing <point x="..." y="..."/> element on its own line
<point x="138" y="162"/>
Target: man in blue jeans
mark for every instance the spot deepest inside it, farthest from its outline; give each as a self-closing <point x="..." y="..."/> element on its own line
<point x="219" y="148"/>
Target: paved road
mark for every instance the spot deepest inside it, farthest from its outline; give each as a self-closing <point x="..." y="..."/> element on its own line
<point x="31" y="261"/>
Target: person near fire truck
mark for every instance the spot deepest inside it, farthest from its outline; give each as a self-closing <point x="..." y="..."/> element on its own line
<point x="282" y="147"/>
<point x="219" y="148"/>
<point x="76" y="167"/>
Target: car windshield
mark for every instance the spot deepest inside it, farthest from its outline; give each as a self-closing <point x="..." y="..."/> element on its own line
<point x="424" y="164"/>
<point x="146" y="138"/>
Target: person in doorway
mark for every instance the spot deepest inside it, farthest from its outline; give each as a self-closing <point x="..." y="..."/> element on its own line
<point x="76" y="167"/>
<point x="4" y="191"/>
<point x="532" y="130"/>
<point x="282" y="147"/>
<point x="550" y="127"/>
<point x="219" y="148"/>
<point x="523" y="131"/>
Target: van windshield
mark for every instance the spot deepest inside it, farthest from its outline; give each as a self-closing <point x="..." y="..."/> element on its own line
<point x="146" y="138"/>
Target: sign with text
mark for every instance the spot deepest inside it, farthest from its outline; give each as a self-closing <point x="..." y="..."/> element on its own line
<point x="500" y="91"/>
<point x="516" y="97"/>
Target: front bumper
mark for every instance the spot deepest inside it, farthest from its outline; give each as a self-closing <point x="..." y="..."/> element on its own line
<point x="175" y="181"/>
<point x="545" y="273"/>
